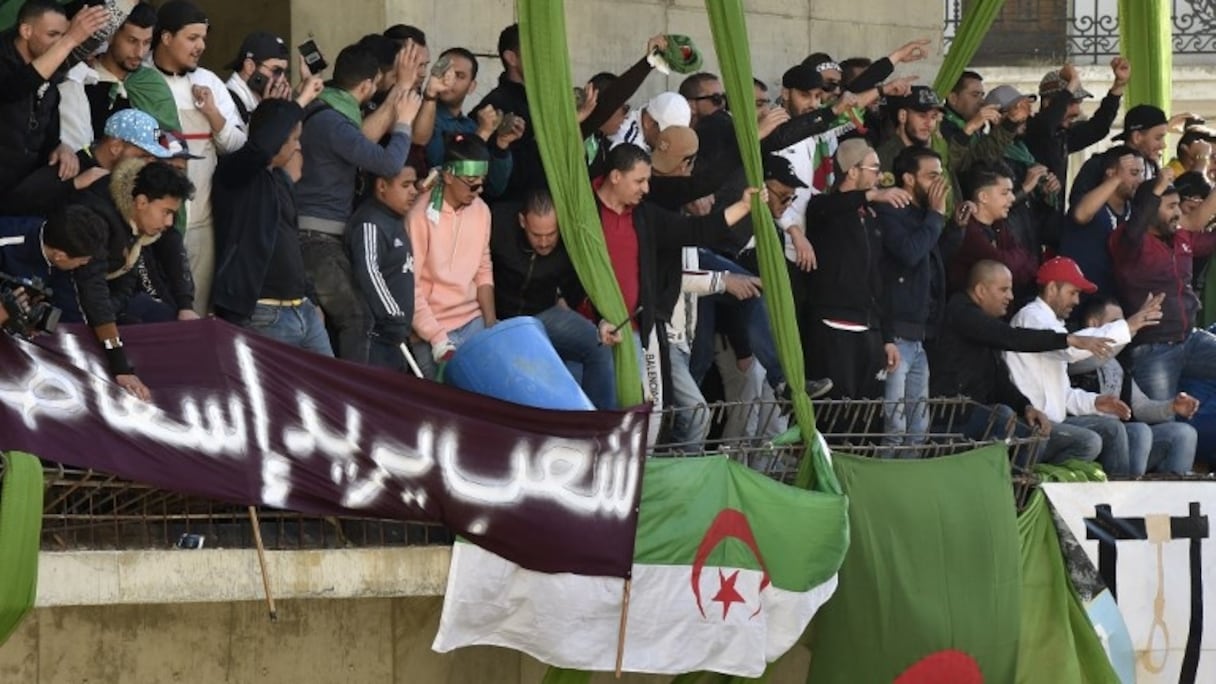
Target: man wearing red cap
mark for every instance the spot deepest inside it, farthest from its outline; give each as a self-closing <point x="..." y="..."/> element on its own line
<point x="1085" y="424"/>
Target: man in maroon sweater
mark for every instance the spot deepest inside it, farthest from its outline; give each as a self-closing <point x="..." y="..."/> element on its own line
<point x="987" y="234"/>
<point x="1151" y="255"/>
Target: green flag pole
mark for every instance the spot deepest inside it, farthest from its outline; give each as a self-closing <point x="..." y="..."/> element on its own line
<point x="978" y="16"/>
<point x="546" y="61"/>
<point x="729" y="26"/>
<point x="1145" y="38"/>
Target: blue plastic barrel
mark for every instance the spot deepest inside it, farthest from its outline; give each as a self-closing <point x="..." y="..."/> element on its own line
<point x="514" y="361"/>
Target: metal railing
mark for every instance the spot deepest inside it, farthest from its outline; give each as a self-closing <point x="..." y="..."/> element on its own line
<point x="85" y="509"/>
<point x="1091" y="30"/>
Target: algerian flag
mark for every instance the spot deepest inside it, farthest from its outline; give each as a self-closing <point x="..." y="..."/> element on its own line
<point x="729" y="568"/>
<point x="930" y="587"/>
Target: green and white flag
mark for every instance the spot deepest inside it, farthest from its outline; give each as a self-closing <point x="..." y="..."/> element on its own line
<point x="729" y="569"/>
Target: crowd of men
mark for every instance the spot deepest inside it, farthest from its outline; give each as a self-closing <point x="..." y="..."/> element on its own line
<point x="380" y="216"/>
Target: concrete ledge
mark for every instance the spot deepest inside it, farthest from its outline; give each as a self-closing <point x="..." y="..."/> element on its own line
<point x="85" y="578"/>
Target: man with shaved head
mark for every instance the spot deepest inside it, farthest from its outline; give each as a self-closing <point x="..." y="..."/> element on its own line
<point x="966" y="359"/>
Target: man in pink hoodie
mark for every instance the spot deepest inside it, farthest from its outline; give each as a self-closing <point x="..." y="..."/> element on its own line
<point x="450" y="233"/>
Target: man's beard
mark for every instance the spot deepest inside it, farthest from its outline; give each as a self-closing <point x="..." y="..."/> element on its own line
<point x="908" y="133"/>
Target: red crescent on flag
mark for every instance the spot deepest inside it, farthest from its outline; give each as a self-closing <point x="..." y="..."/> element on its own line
<point x="730" y="523"/>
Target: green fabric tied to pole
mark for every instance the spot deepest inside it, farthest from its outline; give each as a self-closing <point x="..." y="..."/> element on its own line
<point x="21" y="487"/>
<point x="729" y="27"/>
<point x="546" y="61"/>
<point x="1146" y="39"/>
<point x="978" y="16"/>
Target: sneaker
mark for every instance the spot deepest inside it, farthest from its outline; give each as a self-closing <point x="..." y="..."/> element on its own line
<point x="818" y="388"/>
<point x="814" y="388"/>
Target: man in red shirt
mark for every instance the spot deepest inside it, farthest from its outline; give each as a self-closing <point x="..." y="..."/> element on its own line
<point x="1151" y="255"/>
<point x="987" y="235"/>
<point x="644" y="240"/>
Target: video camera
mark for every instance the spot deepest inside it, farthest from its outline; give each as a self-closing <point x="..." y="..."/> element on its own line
<point x="32" y="316"/>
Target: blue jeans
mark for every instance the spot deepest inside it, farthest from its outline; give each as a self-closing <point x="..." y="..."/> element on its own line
<point x="299" y="326"/>
<point x="577" y="342"/>
<point x="1173" y="449"/>
<point x="755" y="315"/>
<point x="1085" y="438"/>
<point x="905" y="407"/>
<point x="690" y="426"/>
<point x="422" y="349"/>
<point x="1158" y="367"/>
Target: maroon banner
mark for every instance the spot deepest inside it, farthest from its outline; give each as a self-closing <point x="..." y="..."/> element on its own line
<point x="245" y="419"/>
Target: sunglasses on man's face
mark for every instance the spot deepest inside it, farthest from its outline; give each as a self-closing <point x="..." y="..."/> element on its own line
<point x="830" y="86"/>
<point x="718" y="99"/>
<point x="474" y="185"/>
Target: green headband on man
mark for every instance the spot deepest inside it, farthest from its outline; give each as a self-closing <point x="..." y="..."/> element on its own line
<point x="463" y="168"/>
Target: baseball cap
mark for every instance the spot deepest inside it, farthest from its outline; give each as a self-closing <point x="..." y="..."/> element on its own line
<point x="851" y="153"/>
<point x="1053" y="83"/>
<point x="175" y="14"/>
<point x="1006" y="96"/>
<point x="1192" y="184"/>
<point x="921" y="99"/>
<point x="1197" y="133"/>
<point x="260" y="46"/>
<point x="1141" y="118"/>
<point x="137" y="128"/>
<point x="177" y="146"/>
<point x="675" y="144"/>
<point x="1064" y="270"/>
<point x="802" y="77"/>
<point x="669" y="109"/>
<point x="778" y="168"/>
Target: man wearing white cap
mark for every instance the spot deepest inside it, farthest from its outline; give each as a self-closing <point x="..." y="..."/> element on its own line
<point x="642" y="127"/>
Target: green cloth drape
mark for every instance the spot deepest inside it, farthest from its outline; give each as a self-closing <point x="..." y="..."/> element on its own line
<point x="978" y="16"/>
<point x="729" y="26"/>
<point x="21" y="489"/>
<point x="1146" y="40"/>
<point x="1057" y="642"/>
<point x="546" y="61"/>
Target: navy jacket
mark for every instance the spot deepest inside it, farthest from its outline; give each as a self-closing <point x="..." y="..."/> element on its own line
<point x="382" y="259"/>
<point x="915" y="276"/>
<point x="21" y="257"/>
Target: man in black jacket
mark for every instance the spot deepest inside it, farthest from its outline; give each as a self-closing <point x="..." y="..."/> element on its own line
<point x="533" y="276"/>
<point x="966" y="359"/>
<point x="138" y="202"/>
<point x="382" y="260"/>
<point x="260" y="280"/>
<point x="850" y="338"/>
<point x="509" y="97"/>
<point x="1058" y="129"/>
<point x="32" y="55"/>
<point x="915" y="285"/>
<point x="50" y="250"/>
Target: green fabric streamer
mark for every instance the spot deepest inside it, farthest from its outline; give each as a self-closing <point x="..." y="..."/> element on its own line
<point x="344" y="102"/>
<point x="21" y="488"/>
<point x="1057" y="641"/>
<point x="978" y="16"/>
<point x="729" y="27"/>
<point x="542" y="39"/>
<point x="1146" y="39"/>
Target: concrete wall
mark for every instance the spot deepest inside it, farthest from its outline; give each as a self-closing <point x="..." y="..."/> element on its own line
<point x="611" y="34"/>
<point x="198" y="617"/>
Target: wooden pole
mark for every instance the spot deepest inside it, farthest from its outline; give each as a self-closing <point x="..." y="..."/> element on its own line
<point x="257" y="539"/>
<point x="620" y="638"/>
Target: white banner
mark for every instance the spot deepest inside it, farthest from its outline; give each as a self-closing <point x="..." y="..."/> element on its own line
<point x="1154" y="546"/>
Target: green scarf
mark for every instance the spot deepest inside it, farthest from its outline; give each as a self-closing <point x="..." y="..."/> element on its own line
<point x="954" y="118"/>
<point x="344" y="102"/>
